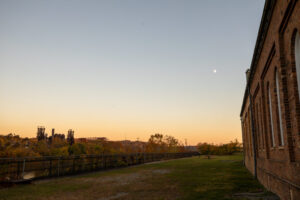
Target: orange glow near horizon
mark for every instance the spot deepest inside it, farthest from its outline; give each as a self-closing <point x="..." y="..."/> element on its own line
<point x="219" y="131"/>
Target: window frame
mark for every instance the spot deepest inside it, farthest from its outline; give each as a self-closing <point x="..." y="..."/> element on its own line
<point x="297" y="58"/>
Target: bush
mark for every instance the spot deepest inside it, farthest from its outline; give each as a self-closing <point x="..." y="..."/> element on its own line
<point x="222" y="149"/>
<point x="77" y="149"/>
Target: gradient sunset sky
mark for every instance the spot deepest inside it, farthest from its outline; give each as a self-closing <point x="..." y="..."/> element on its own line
<point x="127" y="68"/>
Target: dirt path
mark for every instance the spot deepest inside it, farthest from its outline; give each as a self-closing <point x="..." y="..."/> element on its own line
<point x="142" y="184"/>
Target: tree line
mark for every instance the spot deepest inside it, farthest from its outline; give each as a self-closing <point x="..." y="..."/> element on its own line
<point x="12" y="145"/>
<point x="221" y="149"/>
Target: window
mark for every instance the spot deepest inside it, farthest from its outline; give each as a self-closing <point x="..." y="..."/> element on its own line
<point x="247" y="138"/>
<point x="297" y="59"/>
<point x="279" y="108"/>
<point x="258" y="130"/>
<point x="262" y="124"/>
<point x="250" y="132"/>
<point x="256" y="125"/>
<point x="271" y="118"/>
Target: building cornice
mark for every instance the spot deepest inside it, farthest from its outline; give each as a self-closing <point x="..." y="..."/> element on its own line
<point x="261" y="37"/>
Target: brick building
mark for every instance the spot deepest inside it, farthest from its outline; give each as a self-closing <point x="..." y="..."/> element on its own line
<point x="270" y="114"/>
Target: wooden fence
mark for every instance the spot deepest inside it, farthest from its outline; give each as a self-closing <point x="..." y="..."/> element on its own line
<point x="28" y="168"/>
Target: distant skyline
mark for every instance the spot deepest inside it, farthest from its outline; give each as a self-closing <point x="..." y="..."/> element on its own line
<point x="127" y="68"/>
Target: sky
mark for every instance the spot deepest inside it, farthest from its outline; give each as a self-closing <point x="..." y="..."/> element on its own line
<point x="126" y="69"/>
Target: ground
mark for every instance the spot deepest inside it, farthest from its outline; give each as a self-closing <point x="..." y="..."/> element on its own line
<point x="221" y="177"/>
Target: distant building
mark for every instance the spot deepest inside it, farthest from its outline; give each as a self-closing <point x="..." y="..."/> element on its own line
<point x="81" y="140"/>
<point x="270" y="113"/>
<point x="91" y="139"/>
<point x="191" y="148"/>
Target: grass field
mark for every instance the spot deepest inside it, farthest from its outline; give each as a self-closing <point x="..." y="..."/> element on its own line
<point x="222" y="177"/>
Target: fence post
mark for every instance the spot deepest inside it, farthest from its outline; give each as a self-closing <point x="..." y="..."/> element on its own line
<point x="50" y="167"/>
<point x="61" y="165"/>
<point x="104" y="162"/>
<point x="73" y="167"/>
<point x="18" y="169"/>
<point x="23" y="168"/>
<point x="97" y="163"/>
<point x="58" y="166"/>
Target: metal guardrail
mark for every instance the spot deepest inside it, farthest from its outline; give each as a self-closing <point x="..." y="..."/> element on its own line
<point x="29" y="168"/>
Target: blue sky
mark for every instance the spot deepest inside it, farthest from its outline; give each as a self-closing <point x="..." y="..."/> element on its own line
<point x="126" y="69"/>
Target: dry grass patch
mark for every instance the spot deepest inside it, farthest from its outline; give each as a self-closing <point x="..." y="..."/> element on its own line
<point x="143" y="184"/>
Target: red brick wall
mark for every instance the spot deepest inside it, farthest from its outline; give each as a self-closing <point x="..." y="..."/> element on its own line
<point x="278" y="167"/>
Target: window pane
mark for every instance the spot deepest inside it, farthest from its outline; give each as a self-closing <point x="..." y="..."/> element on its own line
<point x="279" y="109"/>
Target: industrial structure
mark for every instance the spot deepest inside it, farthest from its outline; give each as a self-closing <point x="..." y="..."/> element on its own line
<point x="42" y="135"/>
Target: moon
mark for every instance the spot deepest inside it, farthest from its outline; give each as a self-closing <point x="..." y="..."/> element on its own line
<point x="214" y="71"/>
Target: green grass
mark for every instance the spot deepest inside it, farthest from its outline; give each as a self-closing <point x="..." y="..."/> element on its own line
<point x="218" y="178"/>
<point x="190" y="178"/>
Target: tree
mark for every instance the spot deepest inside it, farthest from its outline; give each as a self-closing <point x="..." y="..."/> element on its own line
<point x="156" y="143"/>
<point x="221" y="149"/>
<point x="160" y="144"/>
<point x="77" y="149"/>
<point x="42" y="147"/>
<point x="205" y="149"/>
<point x="172" y="143"/>
<point x="156" y="139"/>
<point x="234" y="146"/>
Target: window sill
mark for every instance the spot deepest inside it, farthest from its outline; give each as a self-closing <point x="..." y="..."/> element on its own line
<point x="281" y="147"/>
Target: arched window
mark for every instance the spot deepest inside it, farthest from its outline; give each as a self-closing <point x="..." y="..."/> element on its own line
<point x="297" y="59"/>
<point x="249" y="133"/>
<point x="262" y="124"/>
<point x="258" y="133"/>
<point x="279" y="108"/>
<point x="271" y="117"/>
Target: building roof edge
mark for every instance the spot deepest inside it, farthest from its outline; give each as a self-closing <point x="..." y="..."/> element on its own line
<point x="261" y="36"/>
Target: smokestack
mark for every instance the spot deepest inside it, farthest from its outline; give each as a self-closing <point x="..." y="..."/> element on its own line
<point x="40" y="133"/>
<point x="41" y="130"/>
<point x="53" y="131"/>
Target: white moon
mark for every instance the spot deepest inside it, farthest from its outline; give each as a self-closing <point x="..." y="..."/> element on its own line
<point x="214" y="71"/>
